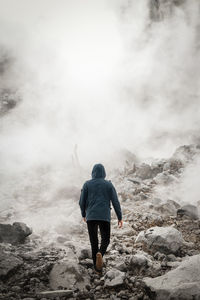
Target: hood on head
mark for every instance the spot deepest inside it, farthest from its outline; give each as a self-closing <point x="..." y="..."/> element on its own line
<point x="98" y="171"/>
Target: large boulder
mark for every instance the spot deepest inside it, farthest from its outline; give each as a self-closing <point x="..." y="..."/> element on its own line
<point x="68" y="274"/>
<point x="188" y="210"/>
<point x="182" y="283"/>
<point x="164" y="239"/>
<point x="15" y="233"/>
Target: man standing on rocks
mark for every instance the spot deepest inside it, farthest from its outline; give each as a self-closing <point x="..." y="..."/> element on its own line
<point x="95" y="199"/>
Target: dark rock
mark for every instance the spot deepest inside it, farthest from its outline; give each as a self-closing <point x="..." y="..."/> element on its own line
<point x="15" y="233"/>
<point x="84" y="253"/>
<point x="8" y="98"/>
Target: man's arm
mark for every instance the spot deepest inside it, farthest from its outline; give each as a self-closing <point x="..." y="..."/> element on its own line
<point x="83" y="198"/>
<point x="115" y="203"/>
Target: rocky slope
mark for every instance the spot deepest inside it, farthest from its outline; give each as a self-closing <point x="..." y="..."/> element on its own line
<point x="155" y="255"/>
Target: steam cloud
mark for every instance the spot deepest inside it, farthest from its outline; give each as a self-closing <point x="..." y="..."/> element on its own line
<point x="105" y="75"/>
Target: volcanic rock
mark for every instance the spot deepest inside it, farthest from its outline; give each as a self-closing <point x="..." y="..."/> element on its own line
<point x="164" y="239"/>
<point x="15" y="233"/>
<point x="182" y="283"/>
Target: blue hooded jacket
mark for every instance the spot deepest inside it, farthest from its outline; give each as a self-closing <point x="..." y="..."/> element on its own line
<point x="97" y="195"/>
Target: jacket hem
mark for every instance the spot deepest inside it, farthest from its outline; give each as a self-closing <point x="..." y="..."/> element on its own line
<point x="93" y="219"/>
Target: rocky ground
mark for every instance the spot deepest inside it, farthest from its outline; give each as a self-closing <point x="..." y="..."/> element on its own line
<point x="156" y="255"/>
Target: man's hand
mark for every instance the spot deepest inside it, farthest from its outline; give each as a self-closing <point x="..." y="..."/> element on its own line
<point x="84" y="219"/>
<point x="120" y="223"/>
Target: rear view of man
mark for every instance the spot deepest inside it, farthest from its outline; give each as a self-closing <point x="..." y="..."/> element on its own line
<point x="96" y="197"/>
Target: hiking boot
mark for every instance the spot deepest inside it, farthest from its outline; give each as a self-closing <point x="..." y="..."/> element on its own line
<point x="99" y="261"/>
<point x="97" y="271"/>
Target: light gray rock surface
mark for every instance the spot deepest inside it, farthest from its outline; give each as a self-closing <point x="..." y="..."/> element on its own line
<point x="163" y="239"/>
<point x="114" y="278"/>
<point x="182" y="283"/>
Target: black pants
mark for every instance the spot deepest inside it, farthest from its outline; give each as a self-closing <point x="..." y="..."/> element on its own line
<point x="104" y="227"/>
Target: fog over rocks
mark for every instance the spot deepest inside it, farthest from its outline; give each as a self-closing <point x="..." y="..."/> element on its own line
<point x="93" y="81"/>
<point x="156" y="243"/>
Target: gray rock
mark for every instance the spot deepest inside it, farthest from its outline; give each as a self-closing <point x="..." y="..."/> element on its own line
<point x="9" y="263"/>
<point x="114" y="278"/>
<point x="139" y="261"/>
<point x="168" y="208"/>
<point x="182" y="283"/>
<point x="165" y="178"/>
<point x="56" y="293"/>
<point x="86" y="262"/>
<point x="121" y="267"/>
<point x="69" y="275"/>
<point x="144" y="171"/>
<point x="152" y="218"/>
<point x="163" y="239"/>
<point x="15" y="233"/>
<point x="171" y="257"/>
<point x="126" y="230"/>
<point x="188" y="210"/>
<point x="84" y="253"/>
<point x="160" y="256"/>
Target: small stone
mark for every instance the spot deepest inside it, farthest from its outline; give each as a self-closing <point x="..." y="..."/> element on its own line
<point x="15" y="288"/>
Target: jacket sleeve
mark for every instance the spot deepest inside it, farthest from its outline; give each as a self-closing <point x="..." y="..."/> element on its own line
<point x="82" y="201"/>
<point x="115" y="203"/>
